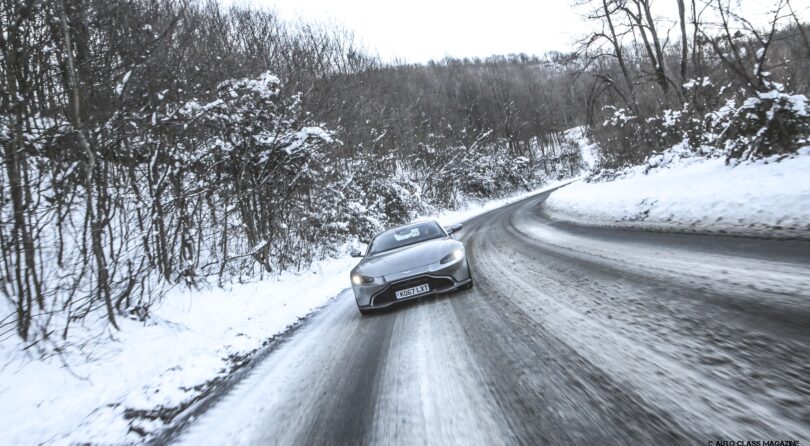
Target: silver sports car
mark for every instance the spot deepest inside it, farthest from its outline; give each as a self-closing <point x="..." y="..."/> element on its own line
<point x="407" y="263"/>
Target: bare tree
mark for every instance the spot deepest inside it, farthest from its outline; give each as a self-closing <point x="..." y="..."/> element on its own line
<point x="684" y="40"/>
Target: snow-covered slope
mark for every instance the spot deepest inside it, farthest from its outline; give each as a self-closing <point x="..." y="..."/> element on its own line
<point x="112" y="391"/>
<point x="588" y="150"/>
<point x="192" y="338"/>
<point x="763" y="198"/>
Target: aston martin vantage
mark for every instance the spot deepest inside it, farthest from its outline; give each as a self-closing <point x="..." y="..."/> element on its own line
<point x="410" y="262"/>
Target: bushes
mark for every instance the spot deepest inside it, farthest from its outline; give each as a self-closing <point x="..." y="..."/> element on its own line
<point x="627" y="139"/>
<point x="495" y="174"/>
<point x="376" y="201"/>
<point x="720" y="88"/>
<point x="771" y="123"/>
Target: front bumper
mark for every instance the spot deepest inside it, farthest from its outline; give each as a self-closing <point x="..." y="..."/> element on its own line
<point x="441" y="278"/>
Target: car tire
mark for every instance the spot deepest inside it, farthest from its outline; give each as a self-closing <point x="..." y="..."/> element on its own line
<point x="365" y="312"/>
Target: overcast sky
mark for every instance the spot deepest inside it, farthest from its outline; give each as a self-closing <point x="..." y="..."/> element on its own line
<point x="420" y="30"/>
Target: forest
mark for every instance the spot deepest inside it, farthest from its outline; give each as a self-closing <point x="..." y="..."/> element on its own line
<point x="148" y="144"/>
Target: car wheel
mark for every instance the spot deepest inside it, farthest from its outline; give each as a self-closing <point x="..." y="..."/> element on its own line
<point x="365" y="312"/>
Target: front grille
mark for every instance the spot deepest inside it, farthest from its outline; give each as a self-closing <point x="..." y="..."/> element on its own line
<point x="387" y="295"/>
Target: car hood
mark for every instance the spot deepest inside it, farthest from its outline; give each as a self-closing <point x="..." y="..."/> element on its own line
<point x="408" y="257"/>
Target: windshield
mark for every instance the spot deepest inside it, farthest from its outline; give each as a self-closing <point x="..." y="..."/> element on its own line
<point x="397" y="238"/>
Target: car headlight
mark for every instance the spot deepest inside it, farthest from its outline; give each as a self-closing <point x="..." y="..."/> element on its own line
<point x="358" y="279"/>
<point x="453" y="256"/>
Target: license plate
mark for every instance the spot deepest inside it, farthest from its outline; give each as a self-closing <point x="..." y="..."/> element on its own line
<point x="410" y="292"/>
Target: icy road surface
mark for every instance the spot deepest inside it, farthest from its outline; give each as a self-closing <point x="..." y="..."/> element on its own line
<point x="572" y="335"/>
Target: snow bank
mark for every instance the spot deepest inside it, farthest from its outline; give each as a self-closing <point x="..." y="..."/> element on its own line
<point x="191" y="338"/>
<point x="762" y="198"/>
<point x="109" y="391"/>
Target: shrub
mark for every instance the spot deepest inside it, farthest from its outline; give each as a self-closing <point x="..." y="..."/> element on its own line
<point x="771" y="123"/>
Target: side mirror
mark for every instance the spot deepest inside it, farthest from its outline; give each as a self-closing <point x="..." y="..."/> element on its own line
<point x="456" y="227"/>
<point x="356" y="253"/>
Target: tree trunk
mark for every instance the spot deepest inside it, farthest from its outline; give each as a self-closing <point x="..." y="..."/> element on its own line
<point x="96" y="224"/>
<point x="684" y="40"/>
<point x="617" y="47"/>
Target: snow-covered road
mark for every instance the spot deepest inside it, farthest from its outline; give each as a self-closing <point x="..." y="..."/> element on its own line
<point x="571" y="335"/>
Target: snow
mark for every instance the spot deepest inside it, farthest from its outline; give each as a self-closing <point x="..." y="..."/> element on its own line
<point x="266" y="85"/>
<point x="652" y="354"/>
<point x="119" y="89"/>
<point x="428" y="387"/>
<point x="83" y="395"/>
<point x="299" y="139"/>
<point x="474" y="208"/>
<point x="702" y="82"/>
<point x="187" y="342"/>
<point x="588" y="151"/>
<point x="768" y="197"/>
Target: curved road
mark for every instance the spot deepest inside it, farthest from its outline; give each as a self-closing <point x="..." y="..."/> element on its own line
<point x="571" y="335"/>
